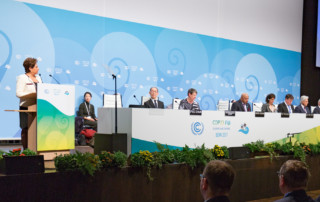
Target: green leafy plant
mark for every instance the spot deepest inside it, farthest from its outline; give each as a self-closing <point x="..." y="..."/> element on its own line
<point x="299" y="152"/>
<point x="314" y="149"/>
<point x="84" y="162"/>
<point x="1" y="154"/>
<point x="143" y="159"/>
<point x="255" y="146"/>
<point x="108" y="159"/>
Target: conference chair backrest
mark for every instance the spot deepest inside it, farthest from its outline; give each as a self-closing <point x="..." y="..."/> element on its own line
<point x="257" y="106"/>
<point x="109" y="101"/>
<point x="223" y="105"/>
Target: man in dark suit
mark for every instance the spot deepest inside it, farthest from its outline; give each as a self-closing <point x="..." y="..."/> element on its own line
<point x="286" y="106"/>
<point x="216" y="181"/>
<point x="303" y="107"/>
<point x="154" y="102"/>
<point x="242" y="105"/>
<point x="317" y="110"/>
<point x="293" y="180"/>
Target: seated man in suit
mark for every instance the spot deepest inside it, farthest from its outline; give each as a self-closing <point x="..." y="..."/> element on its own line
<point x="189" y="102"/>
<point x="154" y="102"/>
<point x="286" y="106"/>
<point x="317" y="109"/>
<point x="216" y="181"/>
<point x="293" y="180"/>
<point x="242" y="105"/>
<point x="303" y="107"/>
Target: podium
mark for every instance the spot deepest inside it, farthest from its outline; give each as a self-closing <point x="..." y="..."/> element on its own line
<point x="51" y="120"/>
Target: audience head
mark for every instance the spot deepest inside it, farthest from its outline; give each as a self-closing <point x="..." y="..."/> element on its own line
<point x="319" y="102"/>
<point x="244" y="98"/>
<point x="304" y="100"/>
<point x="87" y="96"/>
<point x="30" y="65"/>
<point x="192" y="94"/>
<point x="270" y="98"/>
<point x="153" y="92"/>
<point x="288" y="99"/>
<point x="217" y="179"/>
<point x="293" y="175"/>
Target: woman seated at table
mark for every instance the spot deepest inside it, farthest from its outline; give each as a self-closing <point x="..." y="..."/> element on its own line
<point x="269" y="106"/>
<point x="86" y="110"/>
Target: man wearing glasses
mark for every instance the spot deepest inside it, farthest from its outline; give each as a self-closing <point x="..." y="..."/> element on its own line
<point x="216" y="181"/>
<point x="293" y="180"/>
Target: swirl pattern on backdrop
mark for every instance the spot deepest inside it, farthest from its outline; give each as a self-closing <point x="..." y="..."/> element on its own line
<point x="132" y="65"/>
<point x="35" y="43"/>
<point x="5" y="52"/>
<point x="180" y="54"/>
<point x="255" y="75"/>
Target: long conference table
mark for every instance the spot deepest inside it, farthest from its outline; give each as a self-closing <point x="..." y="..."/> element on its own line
<point x="177" y="128"/>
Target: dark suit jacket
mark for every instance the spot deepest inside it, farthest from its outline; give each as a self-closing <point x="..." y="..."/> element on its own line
<point x="296" y="196"/>
<point x="219" y="199"/>
<point x="237" y="106"/>
<point x="282" y="108"/>
<point x="299" y="109"/>
<point x="316" y="110"/>
<point x="150" y="104"/>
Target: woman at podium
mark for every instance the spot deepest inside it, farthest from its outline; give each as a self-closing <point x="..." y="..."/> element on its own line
<point x="27" y="85"/>
<point x="86" y="110"/>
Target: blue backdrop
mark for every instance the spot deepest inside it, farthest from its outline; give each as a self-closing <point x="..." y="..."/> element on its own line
<point x="83" y="50"/>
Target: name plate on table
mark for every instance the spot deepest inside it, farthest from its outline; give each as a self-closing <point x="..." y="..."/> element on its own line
<point x="196" y="112"/>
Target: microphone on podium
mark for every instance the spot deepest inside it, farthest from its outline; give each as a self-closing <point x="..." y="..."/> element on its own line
<point x="41" y="78"/>
<point x="54" y="79"/>
<point x="136" y="99"/>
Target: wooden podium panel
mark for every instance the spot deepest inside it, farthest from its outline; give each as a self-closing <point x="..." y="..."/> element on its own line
<point x="32" y="127"/>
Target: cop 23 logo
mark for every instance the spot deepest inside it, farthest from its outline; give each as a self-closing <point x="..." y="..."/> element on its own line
<point x="197" y="128"/>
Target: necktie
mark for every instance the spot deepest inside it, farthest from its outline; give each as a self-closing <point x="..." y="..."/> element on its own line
<point x="289" y="109"/>
<point x="305" y="109"/>
<point x="155" y="104"/>
<point x="244" y="107"/>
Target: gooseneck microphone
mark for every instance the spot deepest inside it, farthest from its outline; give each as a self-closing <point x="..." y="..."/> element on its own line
<point x="41" y="78"/>
<point x="54" y="79"/>
<point x="136" y="99"/>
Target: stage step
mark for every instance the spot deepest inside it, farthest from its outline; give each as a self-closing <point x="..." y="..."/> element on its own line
<point x="82" y="149"/>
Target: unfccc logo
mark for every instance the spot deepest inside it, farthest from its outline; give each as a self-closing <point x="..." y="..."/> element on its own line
<point x="197" y="128"/>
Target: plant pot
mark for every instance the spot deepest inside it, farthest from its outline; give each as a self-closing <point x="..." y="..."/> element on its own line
<point x="12" y="165"/>
<point x="260" y="153"/>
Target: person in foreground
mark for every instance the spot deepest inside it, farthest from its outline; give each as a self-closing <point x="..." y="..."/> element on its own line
<point x="293" y="180"/>
<point x="269" y="106"/>
<point x="317" y="108"/>
<point x="86" y="110"/>
<point x="242" y="104"/>
<point x="286" y="106"/>
<point x="303" y="107"/>
<point x="154" y="102"/>
<point x="189" y="102"/>
<point x="216" y="181"/>
<point x="27" y="84"/>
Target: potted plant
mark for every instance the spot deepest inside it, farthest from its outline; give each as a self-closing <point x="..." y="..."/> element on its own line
<point x="17" y="162"/>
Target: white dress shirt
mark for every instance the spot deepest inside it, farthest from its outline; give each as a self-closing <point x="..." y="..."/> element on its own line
<point x="25" y="86"/>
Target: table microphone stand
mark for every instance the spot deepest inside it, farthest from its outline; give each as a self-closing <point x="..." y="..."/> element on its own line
<point x="116" y="104"/>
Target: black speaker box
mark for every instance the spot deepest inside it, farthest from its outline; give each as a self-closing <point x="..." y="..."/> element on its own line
<point x="110" y="142"/>
<point x="238" y="153"/>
